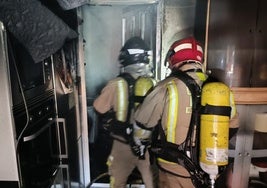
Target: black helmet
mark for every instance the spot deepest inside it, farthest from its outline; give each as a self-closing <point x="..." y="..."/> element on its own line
<point x="135" y="50"/>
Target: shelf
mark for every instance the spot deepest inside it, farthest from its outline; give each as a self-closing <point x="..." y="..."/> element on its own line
<point x="248" y="95"/>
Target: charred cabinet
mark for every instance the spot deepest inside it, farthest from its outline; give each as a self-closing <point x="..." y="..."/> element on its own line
<point x="66" y="117"/>
<point x="41" y="138"/>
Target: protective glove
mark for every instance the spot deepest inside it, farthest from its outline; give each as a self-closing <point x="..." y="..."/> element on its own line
<point x="139" y="150"/>
<point x="141" y="140"/>
<point x="107" y="119"/>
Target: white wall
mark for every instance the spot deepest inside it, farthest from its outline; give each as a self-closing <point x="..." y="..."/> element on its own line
<point x="8" y="161"/>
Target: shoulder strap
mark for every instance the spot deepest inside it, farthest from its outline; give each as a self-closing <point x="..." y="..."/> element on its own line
<point x="191" y="144"/>
<point x="191" y="84"/>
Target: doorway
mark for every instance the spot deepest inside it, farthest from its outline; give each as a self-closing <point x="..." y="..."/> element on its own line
<point x="106" y="28"/>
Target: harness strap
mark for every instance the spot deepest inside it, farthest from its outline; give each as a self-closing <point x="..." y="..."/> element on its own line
<point x="194" y="122"/>
<point x="120" y="127"/>
<point x="171" y="152"/>
<point x="217" y="110"/>
<point x="139" y="99"/>
<point x="172" y="173"/>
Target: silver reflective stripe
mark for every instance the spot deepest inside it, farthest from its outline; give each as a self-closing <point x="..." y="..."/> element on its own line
<point x="199" y="48"/>
<point x="183" y="46"/>
<point x="187" y="46"/>
<point x="136" y="51"/>
<point x="139" y="51"/>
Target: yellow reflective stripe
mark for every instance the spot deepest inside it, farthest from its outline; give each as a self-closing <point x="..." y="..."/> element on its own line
<point x="172" y="111"/>
<point x="164" y="161"/>
<point x="112" y="182"/>
<point x="201" y="76"/>
<point x="122" y="101"/>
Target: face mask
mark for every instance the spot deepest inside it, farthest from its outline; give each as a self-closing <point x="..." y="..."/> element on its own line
<point x="139" y="69"/>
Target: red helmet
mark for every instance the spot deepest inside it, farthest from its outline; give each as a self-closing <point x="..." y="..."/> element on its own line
<point x="185" y="50"/>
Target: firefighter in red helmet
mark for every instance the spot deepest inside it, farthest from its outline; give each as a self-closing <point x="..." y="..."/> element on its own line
<point x="169" y="107"/>
<point x="116" y="105"/>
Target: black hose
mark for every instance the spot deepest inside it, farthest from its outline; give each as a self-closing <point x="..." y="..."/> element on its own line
<point x="97" y="178"/>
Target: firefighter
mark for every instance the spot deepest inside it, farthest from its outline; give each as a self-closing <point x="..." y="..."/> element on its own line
<point x="117" y="102"/>
<point x="169" y="105"/>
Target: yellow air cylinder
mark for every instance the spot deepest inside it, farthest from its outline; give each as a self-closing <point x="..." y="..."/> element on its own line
<point x="143" y="86"/>
<point x="214" y="129"/>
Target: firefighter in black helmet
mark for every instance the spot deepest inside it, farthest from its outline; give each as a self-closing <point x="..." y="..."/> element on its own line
<point x="117" y="102"/>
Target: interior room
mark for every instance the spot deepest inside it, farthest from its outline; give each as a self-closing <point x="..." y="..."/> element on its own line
<point x="57" y="55"/>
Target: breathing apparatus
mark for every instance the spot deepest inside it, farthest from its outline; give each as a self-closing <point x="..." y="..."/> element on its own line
<point x="214" y="128"/>
<point x="211" y="116"/>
